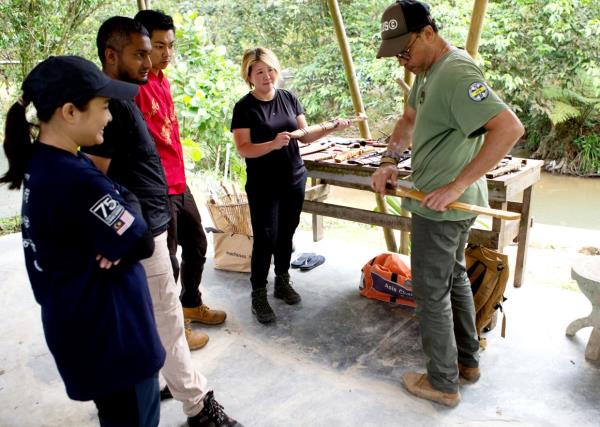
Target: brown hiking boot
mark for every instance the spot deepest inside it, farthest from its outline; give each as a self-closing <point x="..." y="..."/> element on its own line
<point x="195" y="339"/>
<point x="419" y="385"/>
<point x="470" y="375"/>
<point x="203" y="314"/>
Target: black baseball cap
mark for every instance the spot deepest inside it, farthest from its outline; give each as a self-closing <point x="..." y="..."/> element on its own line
<point x="398" y="21"/>
<point x="61" y="79"/>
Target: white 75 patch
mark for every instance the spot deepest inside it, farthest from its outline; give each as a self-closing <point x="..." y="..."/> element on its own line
<point x="107" y="209"/>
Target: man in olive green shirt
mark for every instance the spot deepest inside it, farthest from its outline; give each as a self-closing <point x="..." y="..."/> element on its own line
<point x="458" y="129"/>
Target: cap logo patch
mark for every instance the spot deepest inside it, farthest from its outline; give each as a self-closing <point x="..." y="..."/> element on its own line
<point x="478" y="91"/>
<point x="392" y="24"/>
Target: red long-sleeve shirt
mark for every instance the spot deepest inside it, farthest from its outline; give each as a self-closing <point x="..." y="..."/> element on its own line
<point x="155" y="101"/>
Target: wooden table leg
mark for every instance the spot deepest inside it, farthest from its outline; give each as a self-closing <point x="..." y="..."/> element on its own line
<point x="317" y="220"/>
<point x="523" y="237"/>
<point x="498" y="224"/>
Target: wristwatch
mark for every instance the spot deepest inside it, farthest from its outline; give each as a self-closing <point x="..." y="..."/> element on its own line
<point x="392" y="157"/>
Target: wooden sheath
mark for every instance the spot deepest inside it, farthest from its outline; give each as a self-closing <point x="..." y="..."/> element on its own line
<point x="315" y="148"/>
<point x="332" y="124"/>
<point x="460" y="206"/>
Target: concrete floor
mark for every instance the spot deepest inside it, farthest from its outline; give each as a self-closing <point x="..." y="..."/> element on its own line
<point x="333" y="360"/>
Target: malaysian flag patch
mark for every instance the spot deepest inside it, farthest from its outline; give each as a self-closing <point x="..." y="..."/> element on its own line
<point x="123" y="222"/>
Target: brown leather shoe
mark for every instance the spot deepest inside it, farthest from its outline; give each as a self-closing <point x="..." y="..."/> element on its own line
<point x="195" y="339"/>
<point x="204" y="314"/>
<point x="470" y="375"/>
<point x="419" y="385"/>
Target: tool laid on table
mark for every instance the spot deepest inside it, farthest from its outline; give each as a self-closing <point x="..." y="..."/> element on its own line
<point x="315" y="147"/>
<point x="352" y="153"/>
<point x="374" y="143"/>
<point x="370" y="159"/>
<point x="406" y="189"/>
<point x="506" y="166"/>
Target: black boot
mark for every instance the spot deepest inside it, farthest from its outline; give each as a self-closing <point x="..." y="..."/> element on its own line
<point x="284" y="290"/>
<point x="260" y="306"/>
<point x="212" y="415"/>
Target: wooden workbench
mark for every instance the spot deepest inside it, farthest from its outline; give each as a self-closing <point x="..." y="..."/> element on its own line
<point x="501" y="189"/>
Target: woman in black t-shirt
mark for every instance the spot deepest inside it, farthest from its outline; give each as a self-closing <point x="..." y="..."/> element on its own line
<point x="261" y="125"/>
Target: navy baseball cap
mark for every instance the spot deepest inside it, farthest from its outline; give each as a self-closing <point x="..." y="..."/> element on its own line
<point x="61" y="79"/>
<point x="398" y="21"/>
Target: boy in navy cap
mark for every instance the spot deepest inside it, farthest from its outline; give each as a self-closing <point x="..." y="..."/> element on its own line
<point x="450" y="110"/>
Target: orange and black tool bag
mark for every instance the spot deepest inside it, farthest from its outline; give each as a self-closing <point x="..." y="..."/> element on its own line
<point x="387" y="278"/>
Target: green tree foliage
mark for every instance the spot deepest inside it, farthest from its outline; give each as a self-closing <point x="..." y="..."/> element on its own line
<point x="36" y="29"/>
<point x="205" y="86"/>
<point x="543" y="57"/>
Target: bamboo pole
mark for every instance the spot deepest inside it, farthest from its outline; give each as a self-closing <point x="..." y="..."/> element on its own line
<point x="460" y="206"/>
<point x="405" y="235"/>
<point x="479" y="8"/>
<point x="143" y="4"/>
<point x="340" y="33"/>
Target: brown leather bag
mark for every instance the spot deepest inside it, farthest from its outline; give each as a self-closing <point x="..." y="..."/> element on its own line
<point x="488" y="273"/>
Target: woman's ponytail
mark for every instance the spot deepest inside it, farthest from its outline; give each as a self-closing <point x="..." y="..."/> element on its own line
<point x="17" y="145"/>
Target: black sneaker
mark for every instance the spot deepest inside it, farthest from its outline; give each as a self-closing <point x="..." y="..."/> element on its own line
<point x="260" y="306"/>
<point x="284" y="290"/>
<point x="212" y="415"/>
<point x="165" y="394"/>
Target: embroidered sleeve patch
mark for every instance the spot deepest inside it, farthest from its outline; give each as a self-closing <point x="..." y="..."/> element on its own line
<point x="478" y="91"/>
<point x="107" y="209"/>
<point x="123" y="223"/>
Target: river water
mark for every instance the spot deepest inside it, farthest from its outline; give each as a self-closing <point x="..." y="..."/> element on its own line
<point x="557" y="200"/>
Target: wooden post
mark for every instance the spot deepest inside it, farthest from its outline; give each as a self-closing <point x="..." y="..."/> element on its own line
<point x="143" y="4"/>
<point x="479" y="8"/>
<point x="340" y="33"/>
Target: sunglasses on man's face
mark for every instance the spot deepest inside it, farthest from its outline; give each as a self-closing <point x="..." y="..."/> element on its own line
<point x="405" y="54"/>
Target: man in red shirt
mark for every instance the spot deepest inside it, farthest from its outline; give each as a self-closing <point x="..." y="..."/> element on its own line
<point x="185" y="229"/>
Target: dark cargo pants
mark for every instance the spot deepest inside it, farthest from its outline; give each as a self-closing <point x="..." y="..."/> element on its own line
<point x="185" y="230"/>
<point x="442" y="291"/>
